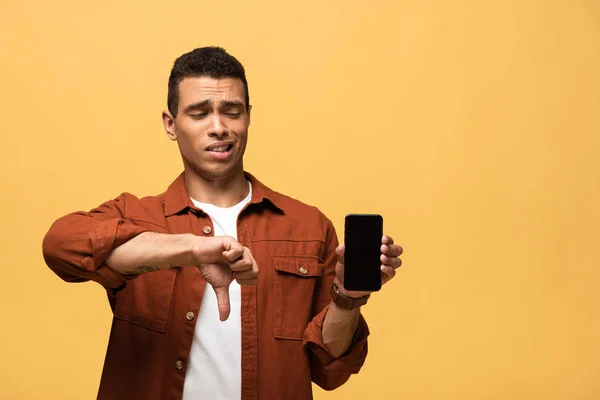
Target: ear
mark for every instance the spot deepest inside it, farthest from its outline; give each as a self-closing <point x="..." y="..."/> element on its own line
<point x="169" y="123"/>
<point x="249" y="109"/>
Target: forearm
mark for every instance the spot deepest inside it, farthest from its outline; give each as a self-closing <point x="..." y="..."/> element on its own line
<point x="339" y="327"/>
<point x="152" y="251"/>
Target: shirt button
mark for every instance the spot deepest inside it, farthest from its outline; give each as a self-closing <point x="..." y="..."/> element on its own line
<point x="189" y="315"/>
<point x="179" y="365"/>
<point x="207" y="230"/>
<point x="303" y="270"/>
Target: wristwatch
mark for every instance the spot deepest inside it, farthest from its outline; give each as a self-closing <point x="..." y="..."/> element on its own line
<point x="348" y="303"/>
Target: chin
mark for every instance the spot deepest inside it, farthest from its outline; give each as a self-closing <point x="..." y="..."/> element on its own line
<point x="218" y="174"/>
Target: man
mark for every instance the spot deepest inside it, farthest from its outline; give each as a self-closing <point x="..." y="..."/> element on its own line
<point x="249" y="335"/>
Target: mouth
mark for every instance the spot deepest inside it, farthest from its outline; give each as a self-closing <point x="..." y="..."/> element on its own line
<point x="220" y="151"/>
<point x="220" y="147"/>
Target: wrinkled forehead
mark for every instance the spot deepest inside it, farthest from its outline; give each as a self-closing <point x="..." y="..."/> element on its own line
<point x="197" y="89"/>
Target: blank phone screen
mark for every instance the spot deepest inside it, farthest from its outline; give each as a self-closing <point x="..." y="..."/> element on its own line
<point x="362" y="263"/>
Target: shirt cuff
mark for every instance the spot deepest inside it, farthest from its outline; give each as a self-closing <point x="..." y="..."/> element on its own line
<point x="348" y="363"/>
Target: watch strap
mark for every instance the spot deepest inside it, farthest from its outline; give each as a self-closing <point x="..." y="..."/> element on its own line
<point x="345" y="302"/>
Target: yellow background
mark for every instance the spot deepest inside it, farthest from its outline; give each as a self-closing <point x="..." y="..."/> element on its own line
<point x="472" y="126"/>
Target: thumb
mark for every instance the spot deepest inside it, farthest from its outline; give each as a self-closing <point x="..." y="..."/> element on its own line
<point x="339" y="252"/>
<point x="223" y="302"/>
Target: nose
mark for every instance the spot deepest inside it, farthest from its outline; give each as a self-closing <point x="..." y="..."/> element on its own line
<point x="217" y="128"/>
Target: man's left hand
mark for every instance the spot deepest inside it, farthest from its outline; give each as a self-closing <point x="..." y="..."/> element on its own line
<point x="390" y="261"/>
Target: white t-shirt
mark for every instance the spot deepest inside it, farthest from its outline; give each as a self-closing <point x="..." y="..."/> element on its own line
<point x="215" y="361"/>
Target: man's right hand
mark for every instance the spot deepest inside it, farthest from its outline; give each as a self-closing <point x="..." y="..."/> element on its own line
<point x="221" y="259"/>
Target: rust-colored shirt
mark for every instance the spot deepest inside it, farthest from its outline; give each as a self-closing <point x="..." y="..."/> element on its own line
<point x="155" y="313"/>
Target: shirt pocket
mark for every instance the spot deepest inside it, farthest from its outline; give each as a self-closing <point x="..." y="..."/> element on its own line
<point x="146" y="300"/>
<point x="293" y="289"/>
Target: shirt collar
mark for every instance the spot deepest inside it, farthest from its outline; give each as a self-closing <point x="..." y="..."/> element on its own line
<point x="177" y="198"/>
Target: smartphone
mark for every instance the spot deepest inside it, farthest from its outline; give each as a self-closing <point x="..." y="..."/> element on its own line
<point x="362" y="262"/>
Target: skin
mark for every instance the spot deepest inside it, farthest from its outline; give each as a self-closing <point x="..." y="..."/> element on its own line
<point x="212" y="112"/>
<point x="340" y="324"/>
<point x="221" y="259"/>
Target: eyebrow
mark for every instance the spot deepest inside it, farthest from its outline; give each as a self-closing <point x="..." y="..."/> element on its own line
<point x="224" y="104"/>
<point x="232" y="103"/>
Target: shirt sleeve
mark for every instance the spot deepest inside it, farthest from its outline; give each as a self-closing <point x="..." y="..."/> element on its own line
<point x="326" y="371"/>
<point x="77" y="245"/>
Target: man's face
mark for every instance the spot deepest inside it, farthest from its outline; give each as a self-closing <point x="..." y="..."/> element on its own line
<point x="211" y="126"/>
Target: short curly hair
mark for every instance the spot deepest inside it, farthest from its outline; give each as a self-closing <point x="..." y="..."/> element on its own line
<point x="213" y="62"/>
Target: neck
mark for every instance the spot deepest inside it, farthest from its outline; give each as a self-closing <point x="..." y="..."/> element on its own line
<point x="224" y="192"/>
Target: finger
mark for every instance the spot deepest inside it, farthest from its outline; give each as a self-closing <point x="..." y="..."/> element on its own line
<point x="244" y="263"/>
<point x="393" y="262"/>
<point x="339" y="252"/>
<point x="392" y="250"/>
<point x="254" y="266"/>
<point x="234" y="253"/>
<point x="223" y="302"/>
<point x="247" y="282"/>
<point x="244" y="275"/>
<point x="388" y="273"/>
<point x="387" y="240"/>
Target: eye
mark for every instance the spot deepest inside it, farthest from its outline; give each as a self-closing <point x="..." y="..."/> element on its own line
<point x="198" y="115"/>
<point x="233" y="114"/>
